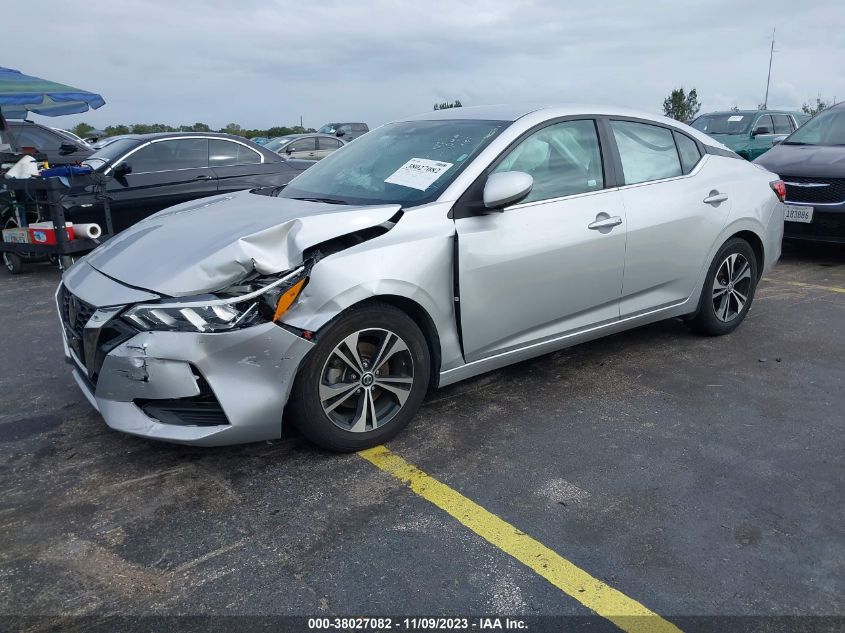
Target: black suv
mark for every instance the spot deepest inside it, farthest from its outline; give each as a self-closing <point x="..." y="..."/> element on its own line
<point x="811" y="161"/>
<point x="59" y="149"/>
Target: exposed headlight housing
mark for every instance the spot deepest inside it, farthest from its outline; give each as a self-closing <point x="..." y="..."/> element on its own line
<point x="258" y="301"/>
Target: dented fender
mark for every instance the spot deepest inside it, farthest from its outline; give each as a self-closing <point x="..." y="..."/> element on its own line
<point x="414" y="261"/>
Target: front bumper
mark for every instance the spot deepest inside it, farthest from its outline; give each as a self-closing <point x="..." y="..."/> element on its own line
<point x="190" y="388"/>
<point x="828" y="224"/>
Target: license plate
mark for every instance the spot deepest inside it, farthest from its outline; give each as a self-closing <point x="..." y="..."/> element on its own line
<point x="794" y="213"/>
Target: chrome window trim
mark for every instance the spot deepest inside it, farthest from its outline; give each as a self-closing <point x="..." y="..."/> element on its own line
<point x="573" y="196"/>
<point x="182" y="138"/>
<point x="694" y="172"/>
<point x="698" y="167"/>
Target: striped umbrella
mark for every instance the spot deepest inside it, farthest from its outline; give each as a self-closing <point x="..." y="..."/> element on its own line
<point x="21" y="93"/>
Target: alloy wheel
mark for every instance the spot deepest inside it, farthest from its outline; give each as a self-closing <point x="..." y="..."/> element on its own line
<point x="731" y="287"/>
<point x="366" y="380"/>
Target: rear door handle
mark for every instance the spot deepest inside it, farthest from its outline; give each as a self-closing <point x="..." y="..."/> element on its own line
<point x="605" y="223"/>
<point x="204" y="178"/>
<point x="715" y="197"/>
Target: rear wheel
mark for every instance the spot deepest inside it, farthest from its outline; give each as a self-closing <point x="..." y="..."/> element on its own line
<point x="728" y="289"/>
<point x="363" y="382"/>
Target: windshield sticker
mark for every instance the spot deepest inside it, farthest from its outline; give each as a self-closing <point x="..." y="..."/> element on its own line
<point x="418" y="173"/>
<point x="735" y="118"/>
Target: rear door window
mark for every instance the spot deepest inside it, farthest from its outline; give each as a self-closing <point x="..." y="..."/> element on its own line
<point x="303" y="145"/>
<point x="223" y="153"/>
<point x="782" y="124"/>
<point x="688" y="151"/>
<point x="329" y="143"/>
<point x="647" y="151"/>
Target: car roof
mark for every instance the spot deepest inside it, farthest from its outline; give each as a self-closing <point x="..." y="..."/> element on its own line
<point x="512" y="112"/>
<point x="730" y="112"/>
<point x="154" y="135"/>
<point x="295" y="136"/>
<point x="546" y="111"/>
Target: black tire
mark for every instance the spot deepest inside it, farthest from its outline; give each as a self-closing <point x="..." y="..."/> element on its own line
<point x="323" y="368"/>
<point x="716" y="320"/>
<point x="66" y="261"/>
<point x="13" y="263"/>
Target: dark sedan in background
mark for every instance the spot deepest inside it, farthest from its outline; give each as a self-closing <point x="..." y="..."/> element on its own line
<point x="149" y="172"/>
<point x="811" y="161"/>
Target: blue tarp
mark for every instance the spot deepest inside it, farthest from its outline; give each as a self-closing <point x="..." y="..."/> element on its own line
<point x="21" y="93"/>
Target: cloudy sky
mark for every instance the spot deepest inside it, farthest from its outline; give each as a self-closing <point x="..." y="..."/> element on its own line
<point x="266" y="62"/>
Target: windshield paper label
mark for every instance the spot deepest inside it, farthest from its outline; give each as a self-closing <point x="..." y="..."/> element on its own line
<point x="418" y="173"/>
<point x="735" y="117"/>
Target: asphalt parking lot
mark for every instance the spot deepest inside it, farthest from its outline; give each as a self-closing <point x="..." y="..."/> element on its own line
<point x="696" y="476"/>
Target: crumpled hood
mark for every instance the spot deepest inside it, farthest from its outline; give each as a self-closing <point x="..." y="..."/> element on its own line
<point x="815" y="161"/>
<point x="206" y="245"/>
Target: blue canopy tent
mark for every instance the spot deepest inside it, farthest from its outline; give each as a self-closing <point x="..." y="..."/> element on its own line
<point x="21" y="93"/>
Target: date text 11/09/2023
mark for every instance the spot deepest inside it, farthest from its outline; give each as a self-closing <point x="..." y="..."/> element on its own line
<point x="416" y="624"/>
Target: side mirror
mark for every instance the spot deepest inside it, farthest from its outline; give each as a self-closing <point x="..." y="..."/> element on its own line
<point x="507" y="187"/>
<point x="288" y="150"/>
<point x="340" y="133"/>
<point x="780" y="138"/>
<point x="67" y="148"/>
<point x="122" y="169"/>
<point x="761" y="130"/>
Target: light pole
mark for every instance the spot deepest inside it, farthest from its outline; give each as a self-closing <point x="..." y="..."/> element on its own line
<point x="769" y="78"/>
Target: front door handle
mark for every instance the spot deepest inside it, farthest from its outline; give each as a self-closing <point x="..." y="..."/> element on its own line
<point x="605" y="222"/>
<point x="715" y="197"/>
<point x="204" y="178"/>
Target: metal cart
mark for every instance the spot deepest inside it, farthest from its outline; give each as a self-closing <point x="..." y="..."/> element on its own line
<point x="45" y="196"/>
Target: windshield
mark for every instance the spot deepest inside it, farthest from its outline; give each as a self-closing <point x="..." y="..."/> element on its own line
<point x="110" y="152"/>
<point x="408" y="163"/>
<point x="329" y="128"/>
<point x="278" y="143"/>
<point x="729" y="123"/>
<point x="826" y="128"/>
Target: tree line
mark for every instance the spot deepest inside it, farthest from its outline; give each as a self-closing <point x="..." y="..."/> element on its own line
<point x="684" y="106"/>
<point x="84" y="129"/>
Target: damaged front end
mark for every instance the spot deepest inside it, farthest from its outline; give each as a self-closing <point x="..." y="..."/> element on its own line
<point x="188" y="346"/>
<point x="183" y="379"/>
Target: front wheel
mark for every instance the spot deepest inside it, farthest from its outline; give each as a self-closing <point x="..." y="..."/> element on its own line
<point x="364" y="380"/>
<point x="728" y="289"/>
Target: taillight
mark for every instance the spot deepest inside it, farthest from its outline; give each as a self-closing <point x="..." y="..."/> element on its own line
<point x="779" y="188"/>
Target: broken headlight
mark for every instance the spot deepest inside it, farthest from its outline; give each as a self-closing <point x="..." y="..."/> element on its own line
<point x="260" y="300"/>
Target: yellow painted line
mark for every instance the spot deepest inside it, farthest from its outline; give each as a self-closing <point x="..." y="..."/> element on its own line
<point x="801" y="284"/>
<point x="624" y="612"/>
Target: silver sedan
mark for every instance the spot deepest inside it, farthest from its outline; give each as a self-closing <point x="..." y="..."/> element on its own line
<point x="431" y="250"/>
